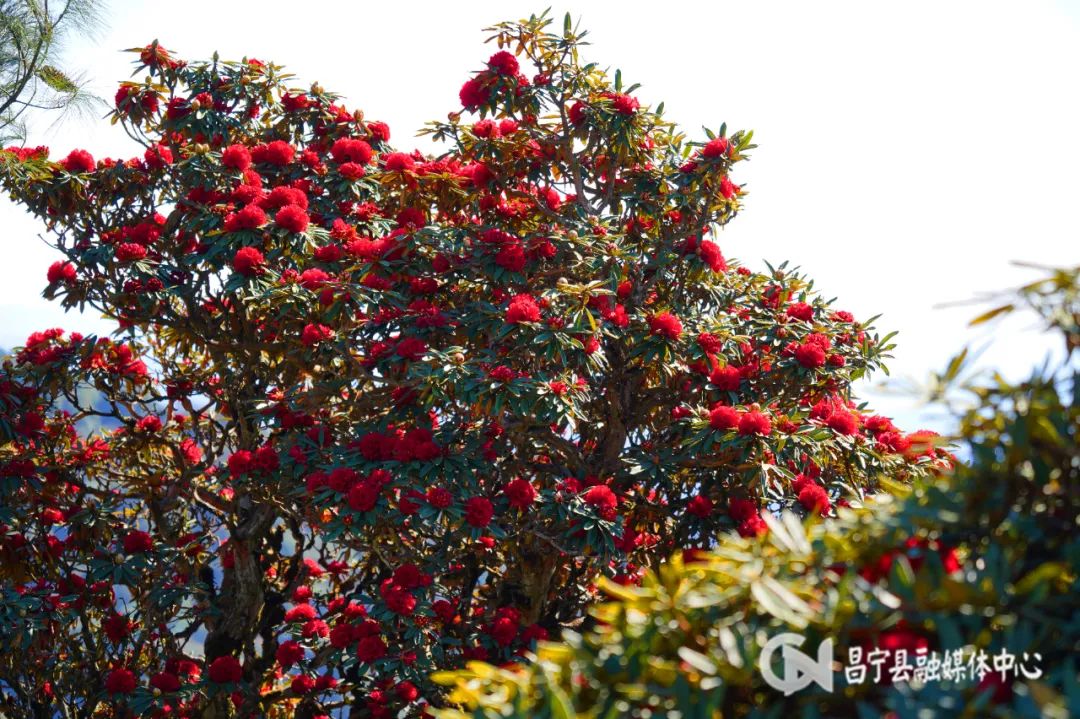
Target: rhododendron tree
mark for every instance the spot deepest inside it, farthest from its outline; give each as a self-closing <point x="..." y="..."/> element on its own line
<point x="371" y="413"/>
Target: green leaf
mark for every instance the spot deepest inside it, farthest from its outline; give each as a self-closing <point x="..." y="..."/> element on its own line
<point x="991" y="314"/>
<point x="561" y="706"/>
<point x="955" y="365"/>
<point x="776" y="605"/>
<point x="697" y="660"/>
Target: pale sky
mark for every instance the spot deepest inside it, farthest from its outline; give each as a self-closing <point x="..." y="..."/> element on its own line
<point x="908" y="151"/>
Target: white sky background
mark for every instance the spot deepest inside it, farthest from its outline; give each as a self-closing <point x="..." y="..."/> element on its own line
<point x="907" y="150"/>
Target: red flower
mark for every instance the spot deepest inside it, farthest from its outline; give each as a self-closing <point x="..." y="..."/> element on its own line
<point x="723" y="417"/>
<point x="666" y="325"/>
<point x="577" y="113"/>
<point x="78" y="161"/>
<point x="249" y="218"/>
<point x="399" y="162"/>
<point x="265" y="459"/>
<point x="313" y="334"/>
<point x="754" y="422"/>
<point x="700" y="506"/>
<point x="120" y="681"/>
<point x="278" y="153"/>
<point x="473" y="94"/>
<point x="348" y="149"/>
<point x="511" y="257"/>
<point x="814" y="498"/>
<point x="302" y="684"/>
<point x="236" y="157"/>
<point x="154" y="55"/>
<point x="248" y="261"/>
<point x="149" y="423"/>
<point x="239" y="462"/>
<point x="503" y="630"/>
<point x="950" y="562"/>
<point x="51" y="515"/>
<point x="753" y="526"/>
<point x="520" y="493"/>
<point x="398" y="599"/>
<point x="710" y="344"/>
<point x="742" y="509"/>
<point x="177" y="108"/>
<point x="293" y="103"/>
<point x="282" y="196"/>
<point x="443" y="609"/>
<point x="292" y="218"/>
<point x="478" y="512"/>
<point x="502" y="373"/>
<point x="411" y="349"/>
<point x="534" y="632"/>
<point x="341" y="636"/>
<point x="409" y="576"/>
<point x="363" y="496"/>
<point x="370" y="649"/>
<point x="300" y="613"/>
<point x="714" y="148"/>
<point x="313" y="279"/>
<point x="800" y="311"/>
<point x="439" y="497"/>
<point x="379" y="131"/>
<point x="486" y="128"/>
<point x="622" y="103"/>
<point x="165" y="681"/>
<point x="843" y="422"/>
<point x="158" y="156"/>
<point x="61" y="272"/>
<point x="407" y="691"/>
<point x="351" y="170"/>
<point x="137" y="542"/>
<point x="412" y="217"/>
<point x="878" y="424"/>
<point x="128" y="94"/>
<point x="503" y="63"/>
<point x="289" y="653"/>
<point x="727" y="379"/>
<point x="710" y="255"/>
<point x="130" y="252"/>
<point x="810" y="355"/>
<point x="603" y="500"/>
<point x="190" y="451"/>
<point x="728" y="188"/>
<point x="225" y="670"/>
<point x="523" y="308"/>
